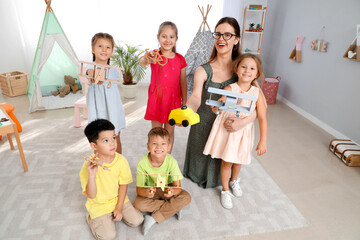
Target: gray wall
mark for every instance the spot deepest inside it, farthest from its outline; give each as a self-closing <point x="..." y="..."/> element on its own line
<point x="324" y="87"/>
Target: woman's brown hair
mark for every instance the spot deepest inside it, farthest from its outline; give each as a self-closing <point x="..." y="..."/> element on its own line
<point x="236" y="49"/>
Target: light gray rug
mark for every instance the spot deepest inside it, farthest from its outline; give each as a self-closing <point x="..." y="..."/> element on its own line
<point x="46" y="202"/>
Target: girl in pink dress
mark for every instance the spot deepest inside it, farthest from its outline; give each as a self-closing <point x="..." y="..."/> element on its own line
<point x="234" y="148"/>
<point x="168" y="87"/>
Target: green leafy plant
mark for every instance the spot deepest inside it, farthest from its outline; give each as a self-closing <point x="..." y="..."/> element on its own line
<point x="127" y="57"/>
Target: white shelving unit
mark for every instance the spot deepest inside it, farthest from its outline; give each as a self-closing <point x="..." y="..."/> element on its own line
<point x="246" y="34"/>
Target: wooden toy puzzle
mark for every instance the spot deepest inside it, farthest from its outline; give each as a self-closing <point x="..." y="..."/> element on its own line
<point x="100" y="73"/>
<point x="158" y="180"/>
<point x="158" y="58"/>
<point x="231" y="101"/>
<point x="96" y="161"/>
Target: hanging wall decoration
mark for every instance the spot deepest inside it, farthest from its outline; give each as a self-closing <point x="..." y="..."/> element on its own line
<point x="353" y="52"/>
<point x="319" y="44"/>
<point x="296" y="52"/>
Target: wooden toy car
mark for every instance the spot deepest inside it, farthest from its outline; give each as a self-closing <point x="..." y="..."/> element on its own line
<point x="184" y="116"/>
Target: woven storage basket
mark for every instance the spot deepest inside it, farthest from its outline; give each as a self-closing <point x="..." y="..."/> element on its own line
<point x="13" y="83"/>
<point x="270" y="87"/>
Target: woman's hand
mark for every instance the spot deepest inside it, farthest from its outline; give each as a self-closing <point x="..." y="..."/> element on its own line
<point x="233" y="124"/>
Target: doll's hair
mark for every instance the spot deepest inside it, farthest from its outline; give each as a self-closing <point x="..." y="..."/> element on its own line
<point x="256" y="58"/>
<point x="173" y="26"/>
<point x="236" y="49"/>
<point x="159" y="131"/>
<point x="99" y="35"/>
<point x="94" y="128"/>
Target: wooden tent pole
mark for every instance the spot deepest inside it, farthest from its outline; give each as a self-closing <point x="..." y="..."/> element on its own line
<point x="48" y="6"/>
<point x="204" y="16"/>
<point x="207" y="12"/>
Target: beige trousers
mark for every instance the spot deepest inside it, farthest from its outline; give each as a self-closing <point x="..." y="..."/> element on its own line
<point x="103" y="228"/>
<point x="162" y="208"/>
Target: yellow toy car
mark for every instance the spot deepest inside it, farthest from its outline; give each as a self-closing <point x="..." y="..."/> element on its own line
<point x="184" y="116"/>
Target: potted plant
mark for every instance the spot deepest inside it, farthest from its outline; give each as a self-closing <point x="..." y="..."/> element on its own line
<point x="251" y="26"/>
<point x="258" y="27"/>
<point x="127" y="57"/>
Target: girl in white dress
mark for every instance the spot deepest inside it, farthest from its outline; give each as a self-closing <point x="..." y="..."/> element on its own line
<point x="234" y="148"/>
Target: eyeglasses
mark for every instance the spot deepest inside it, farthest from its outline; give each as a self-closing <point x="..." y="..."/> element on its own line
<point x="226" y="36"/>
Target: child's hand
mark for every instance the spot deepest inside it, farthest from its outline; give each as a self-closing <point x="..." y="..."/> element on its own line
<point x="215" y="109"/>
<point x="169" y="192"/>
<point x="99" y="76"/>
<point x="92" y="167"/>
<point x="90" y="72"/>
<point x="152" y="54"/>
<point x="117" y="215"/>
<point x="261" y="148"/>
<point x="151" y="192"/>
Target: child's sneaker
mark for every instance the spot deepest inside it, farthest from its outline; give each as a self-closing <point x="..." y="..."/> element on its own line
<point x="149" y="221"/>
<point x="235" y="187"/>
<point x="226" y="200"/>
<point x="179" y="215"/>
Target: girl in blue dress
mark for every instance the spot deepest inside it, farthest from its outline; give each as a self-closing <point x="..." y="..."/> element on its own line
<point x="101" y="101"/>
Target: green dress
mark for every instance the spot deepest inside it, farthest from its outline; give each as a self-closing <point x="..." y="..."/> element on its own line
<point x="200" y="168"/>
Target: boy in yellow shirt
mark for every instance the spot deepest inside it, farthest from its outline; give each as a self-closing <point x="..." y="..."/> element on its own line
<point x="104" y="178"/>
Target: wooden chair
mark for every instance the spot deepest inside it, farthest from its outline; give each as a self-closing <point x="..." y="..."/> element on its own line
<point x="81" y="103"/>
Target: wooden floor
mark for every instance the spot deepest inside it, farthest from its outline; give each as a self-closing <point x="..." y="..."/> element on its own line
<point x="323" y="189"/>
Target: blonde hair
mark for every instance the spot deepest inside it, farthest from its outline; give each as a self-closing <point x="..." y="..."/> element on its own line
<point x="173" y="26"/>
<point x="99" y="35"/>
<point x="257" y="60"/>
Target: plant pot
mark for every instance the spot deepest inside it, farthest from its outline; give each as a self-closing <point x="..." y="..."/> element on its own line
<point x="129" y="91"/>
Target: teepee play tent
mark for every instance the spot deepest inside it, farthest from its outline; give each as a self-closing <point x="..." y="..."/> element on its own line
<point x="199" y="50"/>
<point x="54" y="58"/>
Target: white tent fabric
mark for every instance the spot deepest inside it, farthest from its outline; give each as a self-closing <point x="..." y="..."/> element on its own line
<point x="48" y="44"/>
<point x="54" y="58"/>
<point x="197" y="54"/>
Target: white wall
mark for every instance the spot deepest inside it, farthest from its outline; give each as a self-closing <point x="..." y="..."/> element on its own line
<point x="325" y="87"/>
<point x="11" y="42"/>
<point x="135" y="22"/>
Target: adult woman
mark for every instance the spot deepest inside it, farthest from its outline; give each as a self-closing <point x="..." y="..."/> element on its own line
<point x="217" y="73"/>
